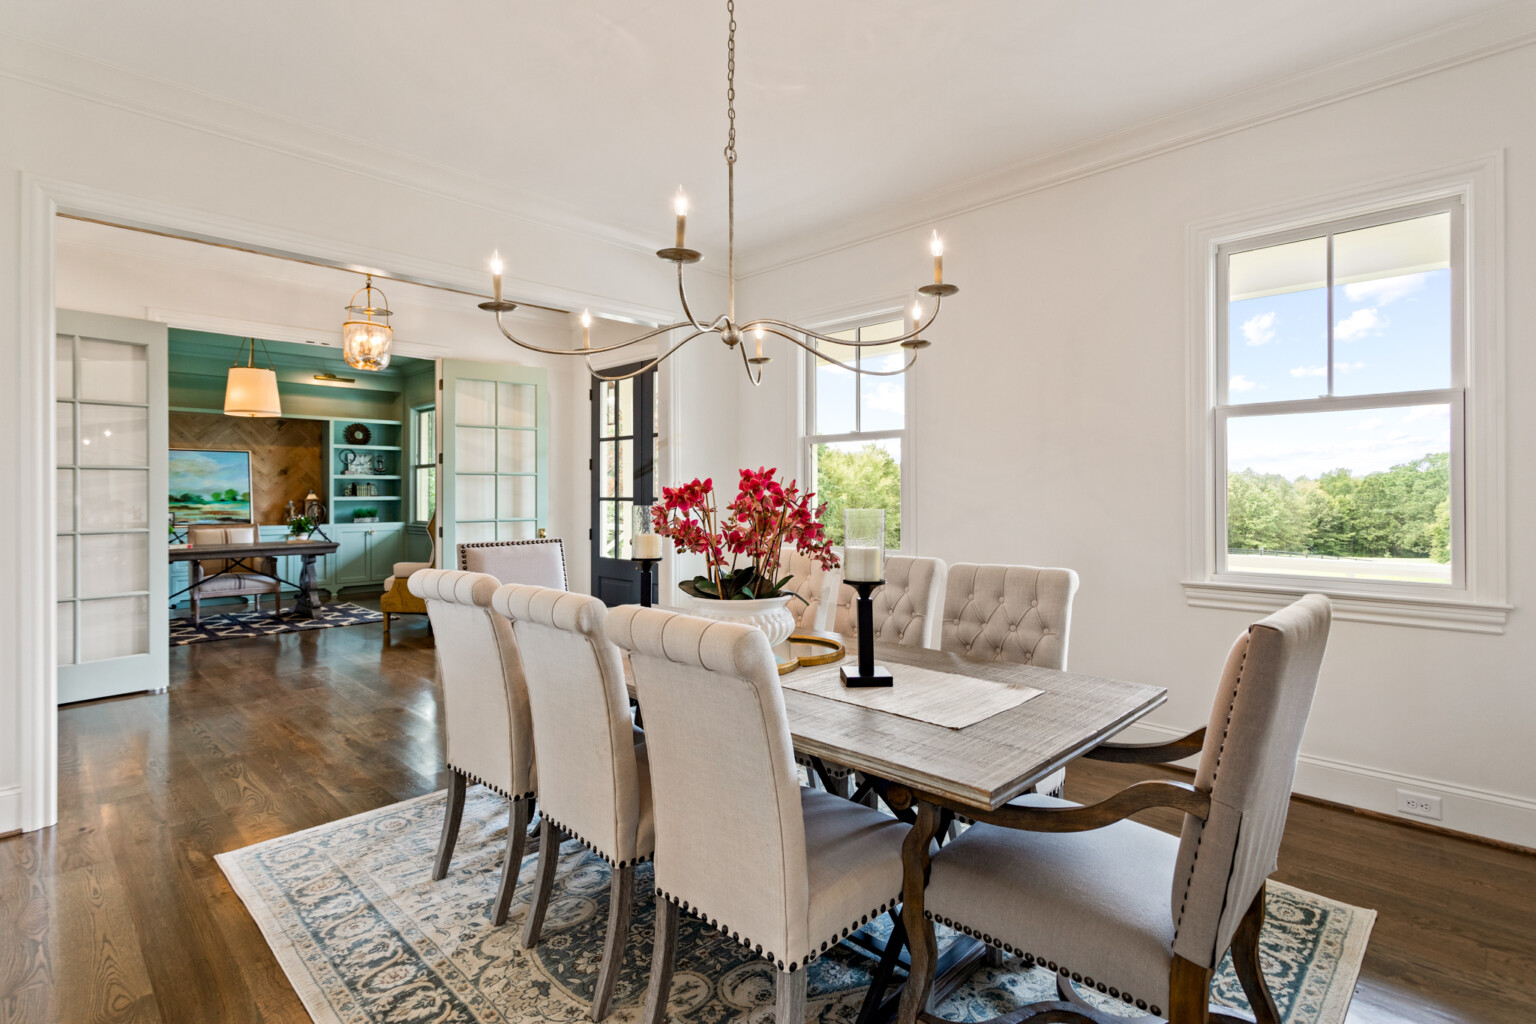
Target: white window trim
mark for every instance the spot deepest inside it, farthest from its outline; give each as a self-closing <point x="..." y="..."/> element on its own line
<point x="877" y="313"/>
<point x="1479" y="603"/>
<point x="413" y="440"/>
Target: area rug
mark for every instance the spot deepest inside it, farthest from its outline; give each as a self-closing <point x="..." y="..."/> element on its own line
<point x="366" y="937"/>
<point x="233" y="625"/>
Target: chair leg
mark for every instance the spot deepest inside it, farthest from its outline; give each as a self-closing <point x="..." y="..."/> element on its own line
<point x="543" y="881"/>
<point x="1245" y="960"/>
<point x="517" y="835"/>
<point x="1189" y="992"/>
<point x="386" y="625"/>
<point x="789" y="998"/>
<point x="197" y="610"/>
<point x="451" y="818"/>
<point x="621" y="901"/>
<point x="663" y="956"/>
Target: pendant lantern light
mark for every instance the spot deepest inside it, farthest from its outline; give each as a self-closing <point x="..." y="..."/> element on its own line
<point x="252" y="390"/>
<point x="365" y="337"/>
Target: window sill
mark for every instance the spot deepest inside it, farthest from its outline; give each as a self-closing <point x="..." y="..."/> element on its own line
<point x="1388" y="609"/>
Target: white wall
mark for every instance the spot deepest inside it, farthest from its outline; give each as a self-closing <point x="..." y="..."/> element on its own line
<point x="1048" y="427"/>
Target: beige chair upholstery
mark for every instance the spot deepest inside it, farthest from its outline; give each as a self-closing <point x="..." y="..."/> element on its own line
<point x="906" y="610"/>
<point x="488" y="726"/>
<point x="1015" y="613"/>
<point x="538" y="563"/>
<point x="596" y="779"/>
<point x="256" y="576"/>
<point x="398" y="600"/>
<point x="814" y="586"/>
<point x="787" y="872"/>
<point x="1096" y="904"/>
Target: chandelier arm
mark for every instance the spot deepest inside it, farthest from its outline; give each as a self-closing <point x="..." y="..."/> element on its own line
<point x="682" y="297"/>
<point x="746" y="364"/>
<point x="648" y="366"/>
<point x="792" y="339"/>
<point x="588" y="351"/>
<point x="910" y="335"/>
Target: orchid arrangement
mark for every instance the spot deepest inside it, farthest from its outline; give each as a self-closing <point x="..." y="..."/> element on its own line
<point x="765" y="516"/>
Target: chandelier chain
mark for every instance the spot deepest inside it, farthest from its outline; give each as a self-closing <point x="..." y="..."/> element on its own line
<point x="730" y="160"/>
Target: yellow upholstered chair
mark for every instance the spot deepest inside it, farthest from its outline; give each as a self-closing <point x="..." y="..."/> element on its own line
<point x="397" y="598"/>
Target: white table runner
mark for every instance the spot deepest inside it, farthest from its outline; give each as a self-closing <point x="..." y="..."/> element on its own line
<point x="921" y="694"/>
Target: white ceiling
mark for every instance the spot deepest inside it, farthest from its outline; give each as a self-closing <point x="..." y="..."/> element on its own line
<point x="600" y="110"/>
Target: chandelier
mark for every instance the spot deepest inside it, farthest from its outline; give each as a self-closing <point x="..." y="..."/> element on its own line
<point x="726" y="326"/>
<point x="365" y="336"/>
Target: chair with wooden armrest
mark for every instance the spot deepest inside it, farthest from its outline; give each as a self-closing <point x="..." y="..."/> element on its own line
<point x="1086" y="893"/>
<point x="397" y="598"/>
<point x="230" y="577"/>
<point x="536" y="562"/>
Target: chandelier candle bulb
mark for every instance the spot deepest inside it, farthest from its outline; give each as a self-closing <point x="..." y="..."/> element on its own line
<point x="496" y="274"/>
<point x="937" y="248"/>
<point x="680" y="205"/>
<point x="586" y="329"/>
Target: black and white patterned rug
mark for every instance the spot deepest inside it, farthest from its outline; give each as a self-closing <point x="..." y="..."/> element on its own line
<point x="234" y="625"/>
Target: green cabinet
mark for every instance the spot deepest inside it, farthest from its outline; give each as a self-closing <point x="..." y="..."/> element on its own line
<point x="366" y="555"/>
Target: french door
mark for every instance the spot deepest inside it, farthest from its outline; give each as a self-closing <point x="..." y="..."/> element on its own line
<point x="494" y="437"/>
<point x="623" y="468"/>
<point x="113" y="585"/>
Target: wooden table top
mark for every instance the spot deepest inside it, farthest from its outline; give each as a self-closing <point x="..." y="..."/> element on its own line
<point x="192" y="553"/>
<point x="981" y="766"/>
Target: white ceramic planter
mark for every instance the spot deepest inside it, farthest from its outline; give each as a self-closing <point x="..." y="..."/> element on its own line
<point x="769" y="614"/>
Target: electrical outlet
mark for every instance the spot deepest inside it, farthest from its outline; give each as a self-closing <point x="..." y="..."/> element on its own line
<point x="1420" y="805"/>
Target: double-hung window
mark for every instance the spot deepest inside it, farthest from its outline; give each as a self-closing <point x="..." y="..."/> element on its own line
<point x="857" y="425"/>
<point x="423" y="463"/>
<point x="1340" y="417"/>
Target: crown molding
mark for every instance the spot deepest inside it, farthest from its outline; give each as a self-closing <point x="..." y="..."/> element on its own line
<point x="1475" y="38"/>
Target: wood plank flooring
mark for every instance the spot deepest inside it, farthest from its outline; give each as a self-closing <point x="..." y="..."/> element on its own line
<point x="121" y="914"/>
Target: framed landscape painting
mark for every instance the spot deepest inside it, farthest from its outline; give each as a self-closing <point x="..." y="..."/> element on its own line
<point x="210" y="486"/>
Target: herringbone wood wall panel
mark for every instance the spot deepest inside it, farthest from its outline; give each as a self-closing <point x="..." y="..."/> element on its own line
<point x="285" y="454"/>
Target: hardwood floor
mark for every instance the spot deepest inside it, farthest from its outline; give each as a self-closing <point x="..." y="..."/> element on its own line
<point x="121" y="914"/>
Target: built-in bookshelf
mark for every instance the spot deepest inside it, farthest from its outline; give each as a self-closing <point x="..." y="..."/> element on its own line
<point x="365" y="473"/>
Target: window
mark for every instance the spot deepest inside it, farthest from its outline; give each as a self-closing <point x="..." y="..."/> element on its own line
<point x="857" y="425"/>
<point x="423" y="463"/>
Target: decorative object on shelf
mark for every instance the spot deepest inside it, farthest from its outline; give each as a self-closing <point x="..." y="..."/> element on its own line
<point x="765" y="516"/>
<point x="314" y="508"/>
<point x="864" y="570"/>
<point x="380" y="465"/>
<point x="251" y="390"/>
<point x="365" y="515"/>
<point x="300" y="528"/>
<point x="732" y="333"/>
<point x="365" y="337"/>
<point x="647" y="551"/>
<point x="357" y="433"/>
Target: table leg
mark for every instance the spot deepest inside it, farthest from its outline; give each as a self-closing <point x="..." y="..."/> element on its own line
<point x="308" y="599"/>
<point x="922" y="947"/>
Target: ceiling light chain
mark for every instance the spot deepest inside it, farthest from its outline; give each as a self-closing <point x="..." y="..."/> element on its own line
<point x="725" y="325"/>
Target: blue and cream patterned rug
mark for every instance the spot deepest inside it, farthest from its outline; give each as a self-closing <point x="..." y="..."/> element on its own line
<point x="366" y="937"/>
<point x="234" y="625"/>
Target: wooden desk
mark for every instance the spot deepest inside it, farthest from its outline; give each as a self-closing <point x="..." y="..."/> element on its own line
<point x="308" y="598"/>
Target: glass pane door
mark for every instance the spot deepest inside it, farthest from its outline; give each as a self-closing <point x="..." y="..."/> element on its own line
<point x="623" y="471"/>
<point x="111" y="499"/>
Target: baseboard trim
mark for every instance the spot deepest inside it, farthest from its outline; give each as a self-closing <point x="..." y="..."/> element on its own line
<point x="1498" y="819"/>
<point x="10" y="811"/>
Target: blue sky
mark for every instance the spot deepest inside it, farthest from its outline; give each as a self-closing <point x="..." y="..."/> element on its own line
<point x="1390" y="334"/>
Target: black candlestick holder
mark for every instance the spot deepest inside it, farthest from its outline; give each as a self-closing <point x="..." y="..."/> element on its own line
<point x="867" y="673"/>
<point x="647" y="569"/>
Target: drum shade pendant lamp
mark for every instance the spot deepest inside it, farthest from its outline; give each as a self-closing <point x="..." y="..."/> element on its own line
<point x="365" y="337"/>
<point x="252" y="390"/>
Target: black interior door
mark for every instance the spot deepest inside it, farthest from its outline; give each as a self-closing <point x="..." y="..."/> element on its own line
<point x="623" y="476"/>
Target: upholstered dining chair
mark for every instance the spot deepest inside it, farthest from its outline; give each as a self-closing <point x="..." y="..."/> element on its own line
<point x="485" y="711"/>
<point x="814" y="586"/>
<point x="1123" y="908"/>
<point x="595" y="784"/>
<point x="906" y="609"/>
<point x="787" y="872"/>
<point x="397" y="598"/>
<point x="538" y="562"/>
<point x="251" y="577"/>
<point x="1015" y="613"/>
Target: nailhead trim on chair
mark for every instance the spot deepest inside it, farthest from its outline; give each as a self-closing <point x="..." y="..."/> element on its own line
<point x="1034" y="961"/>
<point x="464" y="559"/>
<point x="611" y="862"/>
<point x="769" y="955"/>
<point x="471" y="776"/>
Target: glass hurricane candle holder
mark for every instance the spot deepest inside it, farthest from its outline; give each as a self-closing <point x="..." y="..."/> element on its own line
<point x="647" y="550"/>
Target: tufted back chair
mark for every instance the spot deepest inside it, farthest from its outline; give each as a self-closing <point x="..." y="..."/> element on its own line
<point x="1253" y="738"/>
<point x="485" y="699"/>
<point x="1015" y="613"/>
<point x="581" y="724"/>
<point x="714" y="710"/>
<point x="906" y="609"/>
<point x="815" y="586"/>
<point x="539" y="562"/>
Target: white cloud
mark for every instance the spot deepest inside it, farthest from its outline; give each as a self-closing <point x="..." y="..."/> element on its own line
<point x="1310" y="371"/>
<point x="1385" y="290"/>
<point x="1260" y="329"/>
<point x="1418" y="412"/>
<point x="1370" y="424"/>
<point x="1240" y="383"/>
<point x="1359" y="323"/>
<point x="1340" y="366"/>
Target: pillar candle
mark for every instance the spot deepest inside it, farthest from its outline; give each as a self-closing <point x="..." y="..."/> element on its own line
<point x="648" y="545"/>
<point x="861" y="564"/>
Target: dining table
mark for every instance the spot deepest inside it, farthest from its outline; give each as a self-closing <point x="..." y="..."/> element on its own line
<point x="928" y="773"/>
